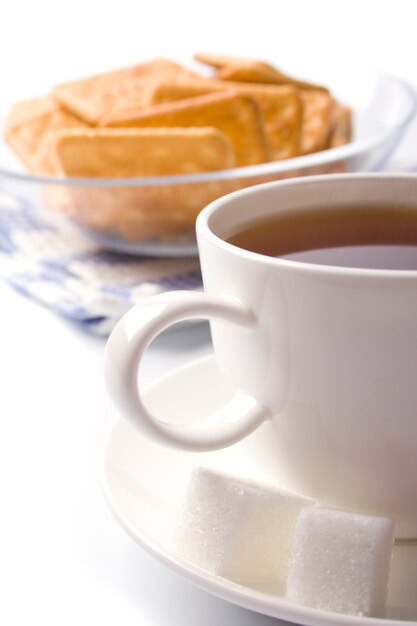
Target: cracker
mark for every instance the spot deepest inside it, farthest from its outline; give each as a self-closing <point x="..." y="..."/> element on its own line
<point x="30" y="131"/>
<point x="104" y="94"/>
<point x="280" y="107"/>
<point x="237" y="116"/>
<point x="220" y="60"/>
<point x="317" y="118"/>
<point x="26" y="111"/>
<point x="341" y="130"/>
<point x="143" y="151"/>
<point x="256" y="72"/>
<point x="170" y="91"/>
<point x="25" y="126"/>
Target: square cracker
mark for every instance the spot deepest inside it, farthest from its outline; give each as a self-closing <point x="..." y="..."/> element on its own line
<point x="341" y="126"/>
<point x="235" y="115"/>
<point x="26" y="111"/>
<point x="257" y="72"/>
<point x="30" y="130"/>
<point x="105" y="94"/>
<point x="221" y="60"/>
<point x="318" y="110"/>
<point x="249" y="70"/>
<point x="135" y="152"/>
<point x="280" y="107"/>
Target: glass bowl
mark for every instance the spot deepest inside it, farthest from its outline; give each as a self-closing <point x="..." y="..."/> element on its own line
<point x="155" y="216"/>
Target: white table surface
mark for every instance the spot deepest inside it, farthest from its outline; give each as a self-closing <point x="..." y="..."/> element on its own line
<point x="63" y="558"/>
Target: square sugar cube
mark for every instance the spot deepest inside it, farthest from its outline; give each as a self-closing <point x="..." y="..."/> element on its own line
<point x="341" y="561"/>
<point x="238" y="529"/>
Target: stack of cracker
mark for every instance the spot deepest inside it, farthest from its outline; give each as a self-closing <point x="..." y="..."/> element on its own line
<point x="160" y="119"/>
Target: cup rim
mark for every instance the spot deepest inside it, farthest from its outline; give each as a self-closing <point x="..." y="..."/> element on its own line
<point x="204" y="230"/>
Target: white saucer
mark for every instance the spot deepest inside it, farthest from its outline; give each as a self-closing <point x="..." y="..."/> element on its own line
<point x="144" y="484"/>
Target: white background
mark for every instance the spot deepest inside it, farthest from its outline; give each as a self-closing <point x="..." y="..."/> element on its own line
<point x="63" y="559"/>
<point x="43" y="41"/>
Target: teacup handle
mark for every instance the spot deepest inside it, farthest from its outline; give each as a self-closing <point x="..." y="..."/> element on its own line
<point x="126" y="346"/>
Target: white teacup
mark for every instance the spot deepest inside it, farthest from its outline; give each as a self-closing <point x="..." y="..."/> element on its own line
<point x="324" y="358"/>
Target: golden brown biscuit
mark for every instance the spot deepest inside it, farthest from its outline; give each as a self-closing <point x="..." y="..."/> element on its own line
<point x="30" y="131"/>
<point x="317" y="121"/>
<point x="236" y="116"/>
<point x="220" y="60"/>
<point x="136" y="152"/>
<point x="104" y="94"/>
<point x="25" y="126"/>
<point x="280" y="107"/>
<point x="256" y="72"/>
<point x="27" y="110"/>
<point x="341" y="130"/>
<point x="170" y="91"/>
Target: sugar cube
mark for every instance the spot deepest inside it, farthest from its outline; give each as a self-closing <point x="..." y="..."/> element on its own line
<point x="341" y="561"/>
<point x="237" y="529"/>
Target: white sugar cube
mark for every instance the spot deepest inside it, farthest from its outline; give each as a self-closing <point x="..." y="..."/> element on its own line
<point x="341" y="561"/>
<point x="237" y="529"/>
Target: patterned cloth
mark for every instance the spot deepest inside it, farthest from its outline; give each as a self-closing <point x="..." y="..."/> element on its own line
<point x="69" y="273"/>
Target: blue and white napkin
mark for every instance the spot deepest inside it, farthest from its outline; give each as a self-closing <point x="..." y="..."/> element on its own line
<point x="69" y="273"/>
